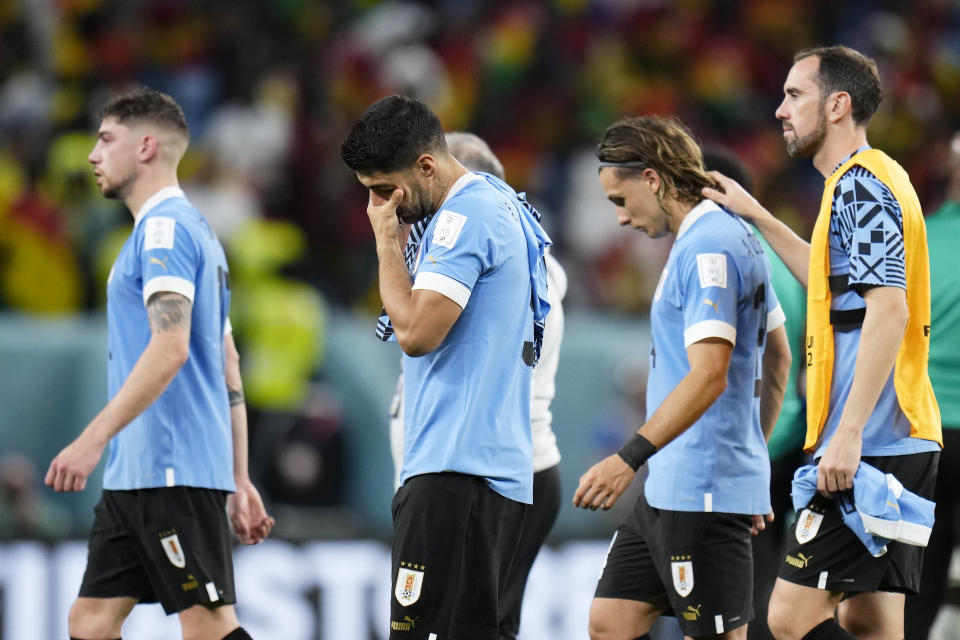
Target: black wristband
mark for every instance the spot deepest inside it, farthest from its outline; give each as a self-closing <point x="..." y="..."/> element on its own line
<point x="636" y="451"/>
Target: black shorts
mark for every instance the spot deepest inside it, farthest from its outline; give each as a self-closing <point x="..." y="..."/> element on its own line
<point x="696" y="566"/>
<point x="454" y="539"/>
<point x="170" y="545"/>
<point x="832" y="557"/>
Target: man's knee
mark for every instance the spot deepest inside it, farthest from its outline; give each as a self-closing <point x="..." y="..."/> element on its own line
<point x="619" y="620"/>
<point x="96" y="619"/>
<point x="200" y="623"/>
<point x="781" y="624"/>
<point x="608" y="631"/>
<point x="600" y="628"/>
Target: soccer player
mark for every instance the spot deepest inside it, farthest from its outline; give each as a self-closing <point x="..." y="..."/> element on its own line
<point x="719" y="362"/>
<point x="784" y="444"/>
<point x="474" y="154"/>
<point x="176" y="419"/>
<point x="467" y="326"/>
<point x="943" y="229"/>
<point x="869" y="396"/>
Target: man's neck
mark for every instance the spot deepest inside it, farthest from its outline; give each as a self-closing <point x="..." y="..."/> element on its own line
<point x="146" y="187"/>
<point x="838" y="146"/>
<point x="448" y="175"/>
<point x="676" y="213"/>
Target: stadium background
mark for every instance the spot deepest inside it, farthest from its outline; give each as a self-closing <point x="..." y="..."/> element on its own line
<point x="270" y="89"/>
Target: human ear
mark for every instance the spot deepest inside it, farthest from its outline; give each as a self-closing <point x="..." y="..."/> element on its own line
<point x="652" y="179"/>
<point x="149" y="145"/>
<point x="427" y="165"/>
<point x="838" y="105"/>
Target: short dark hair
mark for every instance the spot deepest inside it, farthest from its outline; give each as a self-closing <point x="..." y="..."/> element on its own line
<point x="662" y="144"/>
<point x="845" y="69"/>
<point x="391" y="134"/>
<point x="725" y="161"/>
<point x="146" y="105"/>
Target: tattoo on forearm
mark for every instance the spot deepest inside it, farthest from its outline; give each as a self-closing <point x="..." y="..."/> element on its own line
<point x="235" y="396"/>
<point x="169" y="310"/>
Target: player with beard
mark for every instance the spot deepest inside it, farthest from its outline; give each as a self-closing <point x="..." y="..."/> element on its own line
<point x="465" y="297"/>
<point x="176" y="420"/>
<point x="869" y="397"/>
<point x="474" y="154"/>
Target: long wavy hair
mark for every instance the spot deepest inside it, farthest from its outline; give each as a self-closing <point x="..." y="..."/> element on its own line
<point x="662" y="144"/>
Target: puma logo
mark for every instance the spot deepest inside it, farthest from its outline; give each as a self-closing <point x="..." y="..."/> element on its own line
<point x="692" y="613"/>
<point x="800" y="562"/>
<point x="162" y="263"/>
<point x="713" y="304"/>
<point x="407" y="624"/>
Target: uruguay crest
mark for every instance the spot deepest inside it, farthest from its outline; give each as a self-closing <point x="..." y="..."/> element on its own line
<point x="409" y="582"/>
<point x="682" y="577"/>
<point x="808" y="524"/>
<point x="171" y="546"/>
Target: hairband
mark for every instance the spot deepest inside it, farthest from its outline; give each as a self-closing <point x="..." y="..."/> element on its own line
<point x="625" y="164"/>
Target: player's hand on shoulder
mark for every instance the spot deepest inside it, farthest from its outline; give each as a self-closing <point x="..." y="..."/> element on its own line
<point x="248" y="516"/>
<point x="72" y="466"/>
<point x="733" y="197"/>
<point x="603" y="484"/>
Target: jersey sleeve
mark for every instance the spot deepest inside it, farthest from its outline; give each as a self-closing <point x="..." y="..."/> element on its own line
<point x="169" y="258"/>
<point x="454" y="253"/>
<point x="775" y="314"/>
<point x="869" y="225"/>
<point x="710" y="291"/>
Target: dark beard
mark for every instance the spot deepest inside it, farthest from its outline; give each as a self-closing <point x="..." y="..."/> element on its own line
<point x="809" y="145"/>
<point x="421" y="209"/>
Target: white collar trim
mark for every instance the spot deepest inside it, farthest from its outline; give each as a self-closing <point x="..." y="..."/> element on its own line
<point x="461" y="182"/>
<point x="704" y="207"/>
<point x="163" y="194"/>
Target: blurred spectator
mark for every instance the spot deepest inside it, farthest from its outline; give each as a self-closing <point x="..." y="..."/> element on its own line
<point x="270" y="87"/>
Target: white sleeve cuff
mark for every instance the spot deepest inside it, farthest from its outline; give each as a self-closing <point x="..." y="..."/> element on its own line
<point x="709" y="329"/>
<point x="776" y="319"/>
<point x="444" y="285"/>
<point x="173" y="284"/>
<point x="227" y="327"/>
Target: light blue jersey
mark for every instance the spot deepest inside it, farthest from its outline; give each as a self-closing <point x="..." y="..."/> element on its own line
<point x="716" y="284"/>
<point x="866" y="250"/>
<point x="185" y="437"/>
<point x="467" y="403"/>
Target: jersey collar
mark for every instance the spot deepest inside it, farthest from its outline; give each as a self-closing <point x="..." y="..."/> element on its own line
<point x="704" y="207"/>
<point x="461" y="182"/>
<point x="840" y="164"/>
<point x="164" y="194"/>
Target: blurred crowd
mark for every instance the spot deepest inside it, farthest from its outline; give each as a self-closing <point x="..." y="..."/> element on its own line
<point x="271" y="88"/>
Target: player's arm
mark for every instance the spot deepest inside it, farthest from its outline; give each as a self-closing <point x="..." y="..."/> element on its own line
<point x="709" y="360"/>
<point x="883" y="328"/>
<point x="773" y="383"/>
<point x="248" y="516"/>
<point x="421" y="318"/>
<point x="792" y="249"/>
<point x="169" y="347"/>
